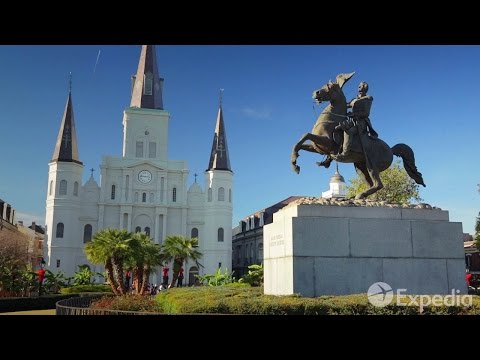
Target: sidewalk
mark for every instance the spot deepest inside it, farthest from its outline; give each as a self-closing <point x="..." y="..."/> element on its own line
<point x="31" y="312"/>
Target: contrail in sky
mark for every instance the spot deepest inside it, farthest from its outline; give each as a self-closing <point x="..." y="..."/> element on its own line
<point x="96" y="62"/>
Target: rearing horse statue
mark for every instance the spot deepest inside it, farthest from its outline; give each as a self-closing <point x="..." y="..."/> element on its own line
<point x="370" y="156"/>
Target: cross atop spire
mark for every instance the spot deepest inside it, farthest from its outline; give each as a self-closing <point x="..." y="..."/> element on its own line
<point x="146" y="84"/>
<point x="92" y="170"/>
<point x="70" y="83"/>
<point x="195" y="177"/>
<point x="220" y="98"/>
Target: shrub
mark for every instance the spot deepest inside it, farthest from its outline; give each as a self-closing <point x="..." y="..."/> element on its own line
<point x="238" y="285"/>
<point x="254" y="276"/>
<point x="86" y="288"/>
<point x="31" y="303"/>
<point x="127" y="303"/>
<point x="250" y="300"/>
<point x="217" y="279"/>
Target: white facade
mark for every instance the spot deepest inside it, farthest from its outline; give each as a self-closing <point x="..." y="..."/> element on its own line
<point x="140" y="191"/>
<point x="338" y="187"/>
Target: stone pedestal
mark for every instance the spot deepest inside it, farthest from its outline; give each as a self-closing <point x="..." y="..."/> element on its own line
<point x="319" y="250"/>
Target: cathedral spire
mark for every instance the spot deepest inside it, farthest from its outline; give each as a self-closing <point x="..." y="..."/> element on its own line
<point x="147" y="85"/>
<point x="66" y="147"/>
<point x="219" y="159"/>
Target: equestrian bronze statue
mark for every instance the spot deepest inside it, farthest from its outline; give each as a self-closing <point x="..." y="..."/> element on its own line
<point x="350" y="138"/>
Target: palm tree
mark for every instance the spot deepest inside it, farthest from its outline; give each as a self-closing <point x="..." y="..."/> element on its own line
<point x="111" y="247"/>
<point x="145" y="256"/>
<point x="180" y="249"/>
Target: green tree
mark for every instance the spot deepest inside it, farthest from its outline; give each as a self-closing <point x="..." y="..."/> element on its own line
<point x="145" y="256"/>
<point x="398" y="187"/>
<point x="84" y="275"/>
<point x="477" y="227"/>
<point x="13" y="261"/>
<point x="111" y="247"/>
<point x="54" y="281"/>
<point x="217" y="279"/>
<point x="477" y="232"/>
<point x="254" y="277"/>
<point x="180" y="249"/>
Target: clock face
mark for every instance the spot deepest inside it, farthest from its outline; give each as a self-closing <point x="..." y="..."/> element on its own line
<point x="145" y="176"/>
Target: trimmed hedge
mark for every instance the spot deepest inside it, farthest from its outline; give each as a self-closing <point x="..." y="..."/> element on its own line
<point x="86" y="289"/>
<point x="231" y="300"/>
<point x="43" y="302"/>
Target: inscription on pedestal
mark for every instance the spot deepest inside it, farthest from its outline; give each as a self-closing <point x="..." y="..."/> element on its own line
<point x="276" y="240"/>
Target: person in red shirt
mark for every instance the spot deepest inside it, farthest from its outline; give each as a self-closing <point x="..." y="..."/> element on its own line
<point x="165" y="277"/>
<point x="468" y="278"/>
<point x="180" y="278"/>
<point x="41" y="276"/>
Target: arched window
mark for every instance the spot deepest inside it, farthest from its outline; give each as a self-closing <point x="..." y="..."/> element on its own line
<point x="260" y="251"/>
<point x="75" y="188"/>
<point x="63" y="187"/>
<point x="138" y="229"/>
<point x="229" y="195"/>
<point x="174" y="194"/>
<point x="87" y="233"/>
<point x="127" y="186"/>
<point x="260" y="219"/>
<point x="139" y="149"/>
<point x="112" y="196"/>
<point x="192" y="280"/>
<point x="148" y="84"/>
<point x="144" y="197"/>
<point x="152" y="149"/>
<point x="136" y="197"/>
<point x="162" y="189"/>
<point x="221" y="194"/>
<point x="51" y="188"/>
<point x="147" y="231"/>
<point x="60" y="229"/>
<point x="194" y="233"/>
<point x="209" y="194"/>
<point x="220" y="234"/>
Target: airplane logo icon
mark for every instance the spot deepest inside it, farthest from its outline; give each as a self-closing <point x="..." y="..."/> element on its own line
<point x="380" y="294"/>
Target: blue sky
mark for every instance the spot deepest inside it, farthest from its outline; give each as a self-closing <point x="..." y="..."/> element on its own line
<point x="424" y="96"/>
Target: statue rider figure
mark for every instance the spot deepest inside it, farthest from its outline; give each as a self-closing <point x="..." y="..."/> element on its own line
<point x="360" y="124"/>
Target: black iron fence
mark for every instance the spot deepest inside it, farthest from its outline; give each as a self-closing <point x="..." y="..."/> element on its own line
<point x="80" y="306"/>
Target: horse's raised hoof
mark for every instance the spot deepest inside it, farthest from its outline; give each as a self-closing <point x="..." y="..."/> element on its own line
<point x="296" y="168"/>
<point x="325" y="163"/>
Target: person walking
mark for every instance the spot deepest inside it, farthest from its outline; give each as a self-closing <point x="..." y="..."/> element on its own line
<point x="180" y="278"/>
<point x="165" y="277"/>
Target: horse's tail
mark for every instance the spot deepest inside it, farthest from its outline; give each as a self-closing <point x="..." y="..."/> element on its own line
<point x="406" y="153"/>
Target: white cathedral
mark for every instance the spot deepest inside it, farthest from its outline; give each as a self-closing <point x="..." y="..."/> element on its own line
<point x="142" y="190"/>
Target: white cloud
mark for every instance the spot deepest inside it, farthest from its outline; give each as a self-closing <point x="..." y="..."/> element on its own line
<point x="257" y="113"/>
<point x="28" y="218"/>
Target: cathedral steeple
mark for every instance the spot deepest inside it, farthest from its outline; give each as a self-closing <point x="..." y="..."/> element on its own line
<point x="146" y="84"/>
<point x="66" y="147"/>
<point x="219" y="159"/>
